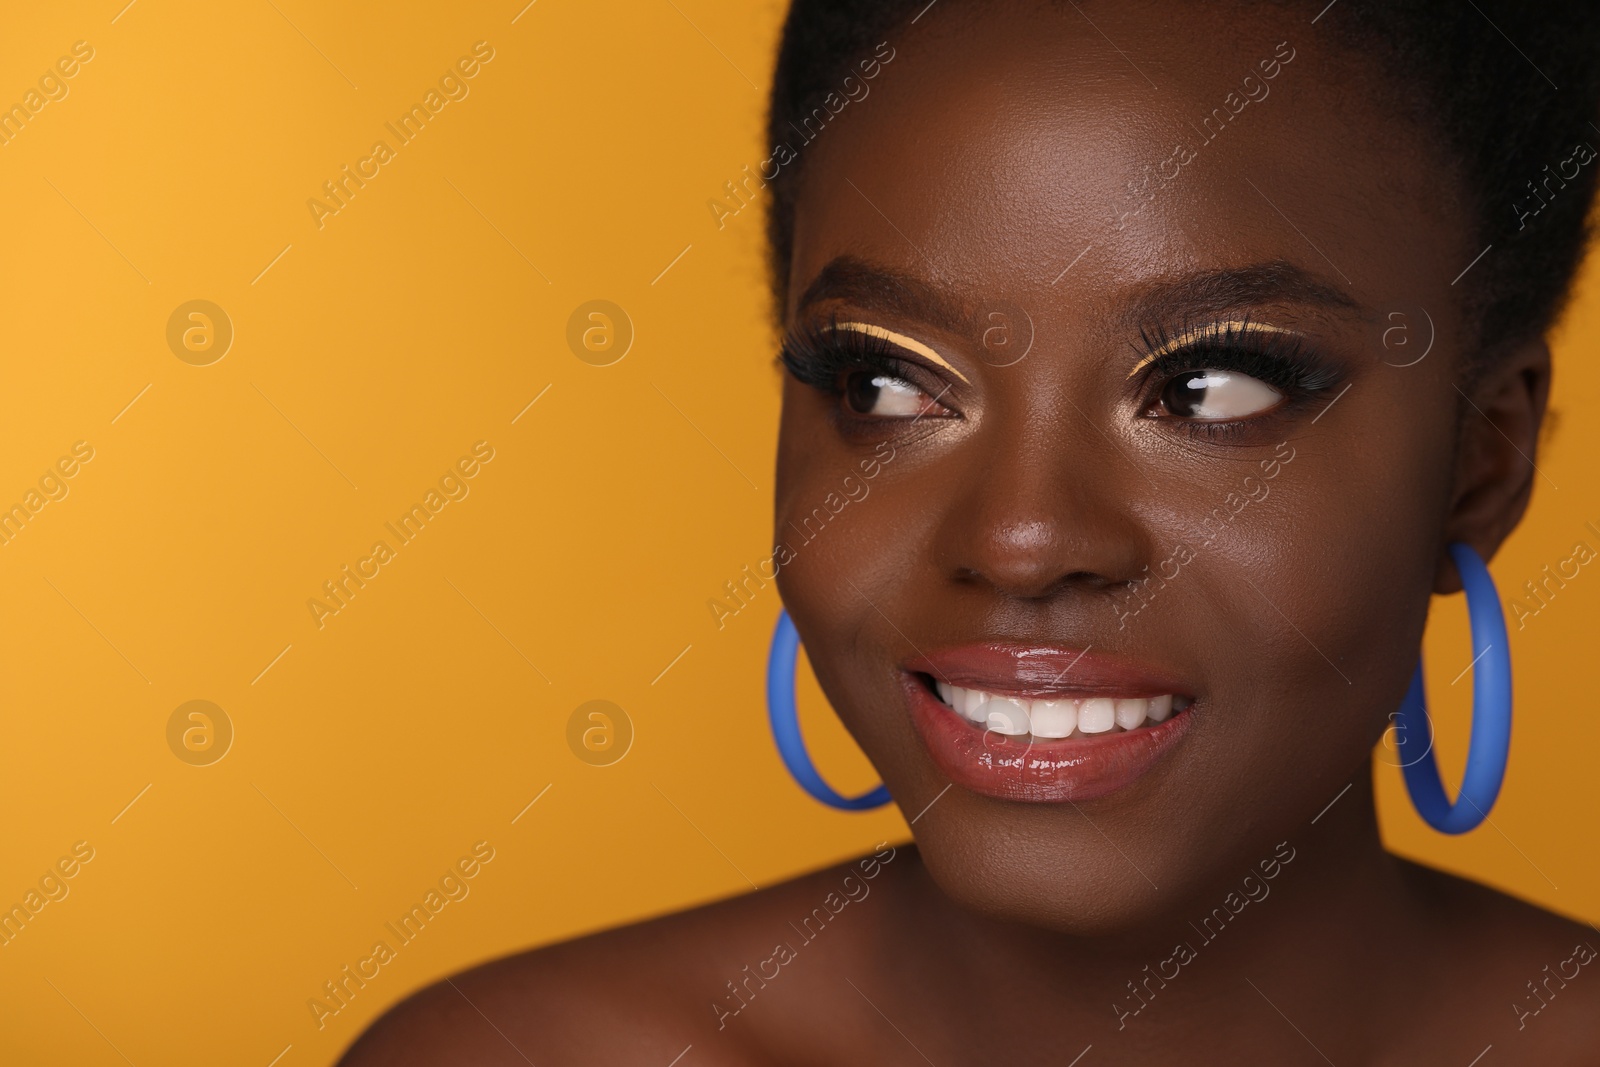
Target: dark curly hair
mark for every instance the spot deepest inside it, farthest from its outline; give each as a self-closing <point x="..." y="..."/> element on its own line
<point x="1501" y="109"/>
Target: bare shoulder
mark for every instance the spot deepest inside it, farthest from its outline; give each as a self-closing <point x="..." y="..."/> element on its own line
<point x="638" y="994"/>
<point x="1529" y="978"/>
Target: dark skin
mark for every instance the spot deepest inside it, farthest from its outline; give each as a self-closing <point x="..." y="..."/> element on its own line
<point x="1022" y="505"/>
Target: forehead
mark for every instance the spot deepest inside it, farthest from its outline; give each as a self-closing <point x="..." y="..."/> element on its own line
<point x="1081" y="154"/>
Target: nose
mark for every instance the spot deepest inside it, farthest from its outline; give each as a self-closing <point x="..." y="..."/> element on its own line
<point x="1040" y="516"/>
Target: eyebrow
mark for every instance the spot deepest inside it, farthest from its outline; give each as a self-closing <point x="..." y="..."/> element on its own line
<point x="1192" y="296"/>
<point x="879" y="288"/>
<point x="1216" y="291"/>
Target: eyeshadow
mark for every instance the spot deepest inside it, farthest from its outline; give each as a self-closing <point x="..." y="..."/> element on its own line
<point x="1209" y="332"/>
<point x="911" y="344"/>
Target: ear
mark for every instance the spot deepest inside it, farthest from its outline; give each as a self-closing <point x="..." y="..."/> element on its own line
<point x="1496" y="453"/>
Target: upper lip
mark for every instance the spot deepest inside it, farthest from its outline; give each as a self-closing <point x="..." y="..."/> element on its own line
<point x="1036" y="670"/>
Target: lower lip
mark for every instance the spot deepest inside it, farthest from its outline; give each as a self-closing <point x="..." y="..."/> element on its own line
<point x="1043" y="772"/>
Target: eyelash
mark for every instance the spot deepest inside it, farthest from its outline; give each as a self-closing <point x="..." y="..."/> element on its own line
<point x="1281" y="360"/>
<point x="820" y="355"/>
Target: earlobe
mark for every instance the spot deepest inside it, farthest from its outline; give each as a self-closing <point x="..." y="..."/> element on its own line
<point x="1501" y="414"/>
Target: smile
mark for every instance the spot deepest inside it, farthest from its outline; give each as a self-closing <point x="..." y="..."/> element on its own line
<point x="1043" y="725"/>
<point x="1052" y="719"/>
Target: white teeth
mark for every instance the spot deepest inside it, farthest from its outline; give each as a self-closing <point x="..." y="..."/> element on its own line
<point x="1130" y="713"/>
<point x="1007" y="715"/>
<point x="972" y="701"/>
<point x="1097" y="715"/>
<point x="1056" y="718"/>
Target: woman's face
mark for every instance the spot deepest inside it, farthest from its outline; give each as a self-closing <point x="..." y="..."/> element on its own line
<point x="1130" y="305"/>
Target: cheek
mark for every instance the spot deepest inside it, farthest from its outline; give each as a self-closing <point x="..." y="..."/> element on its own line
<point x="823" y="567"/>
<point x="838" y="632"/>
<point x="845" y="560"/>
<point x="1364" y="516"/>
<point x="1306" y="609"/>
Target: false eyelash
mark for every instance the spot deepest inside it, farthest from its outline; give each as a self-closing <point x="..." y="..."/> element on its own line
<point x="819" y="355"/>
<point x="1281" y="360"/>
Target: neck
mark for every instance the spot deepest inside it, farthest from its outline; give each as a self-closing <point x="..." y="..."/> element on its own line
<point x="1331" y="878"/>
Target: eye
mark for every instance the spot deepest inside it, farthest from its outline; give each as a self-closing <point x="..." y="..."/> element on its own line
<point x="1217" y="394"/>
<point x="883" y="395"/>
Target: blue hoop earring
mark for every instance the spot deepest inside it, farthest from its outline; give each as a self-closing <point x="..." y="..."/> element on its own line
<point x="1491" y="714"/>
<point x="785" y="719"/>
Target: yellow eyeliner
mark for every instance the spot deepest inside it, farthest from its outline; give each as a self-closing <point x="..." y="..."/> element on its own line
<point x="1205" y="333"/>
<point x="909" y="343"/>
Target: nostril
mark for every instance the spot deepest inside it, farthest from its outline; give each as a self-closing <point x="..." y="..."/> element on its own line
<point x="1035" y="583"/>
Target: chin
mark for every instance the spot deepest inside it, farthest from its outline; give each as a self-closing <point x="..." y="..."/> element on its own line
<point x="1060" y="883"/>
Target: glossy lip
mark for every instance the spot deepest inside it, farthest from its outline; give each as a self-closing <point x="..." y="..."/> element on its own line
<point x="1030" y="670"/>
<point x="1050" y="772"/>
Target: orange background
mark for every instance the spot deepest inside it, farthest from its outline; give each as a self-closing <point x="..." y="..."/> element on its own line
<point x="368" y="355"/>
